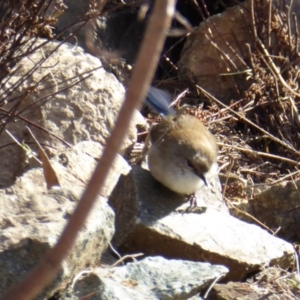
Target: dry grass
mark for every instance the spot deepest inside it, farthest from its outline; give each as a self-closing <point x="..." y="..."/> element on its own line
<point x="282" y="283"/>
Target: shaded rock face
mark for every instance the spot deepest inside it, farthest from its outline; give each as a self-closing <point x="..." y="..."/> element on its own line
<point x="278" y="208"/>
<point x="116" y="34"/>
<point x="121" y="32"/>
<point x="221" y="35"/>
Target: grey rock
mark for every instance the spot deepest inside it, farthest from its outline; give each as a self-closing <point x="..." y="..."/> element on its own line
<point x="139" y="192"/>
<point x="76" y="166"/>
<point x="32" y="218"/>
<point x="212" y="235"/>
<point x="152" y="278"/>
<point x="85" y="111"/>
<point x="219" y="46"/>
<point x="32" y="224"/>
<point x="200" y="59"/>
<point x="119" y="31"/>
<point x="75" y="10"/>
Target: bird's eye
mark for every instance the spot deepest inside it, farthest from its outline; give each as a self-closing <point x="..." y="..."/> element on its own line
<point x="189" y="164"/>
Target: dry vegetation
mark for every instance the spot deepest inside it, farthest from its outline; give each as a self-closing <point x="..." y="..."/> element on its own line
<point x="264" y="124"/>
<point x="258" y="135"/>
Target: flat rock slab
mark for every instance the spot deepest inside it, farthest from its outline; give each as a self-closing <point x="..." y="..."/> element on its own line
<point x="138" y="190"/>
<point x="212" y="236"/>
<point x="153" y="278"/>
<point x="149" y="220"/>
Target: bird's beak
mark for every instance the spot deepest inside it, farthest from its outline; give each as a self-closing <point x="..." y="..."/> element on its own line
<point x="204" y="179"/>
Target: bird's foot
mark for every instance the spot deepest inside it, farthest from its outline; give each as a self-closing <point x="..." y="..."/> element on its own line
<point x="193" y="207"/>
<point x="192" y="198"/>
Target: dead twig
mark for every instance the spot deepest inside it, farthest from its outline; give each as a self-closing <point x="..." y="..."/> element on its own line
<point x="261" y="154"/>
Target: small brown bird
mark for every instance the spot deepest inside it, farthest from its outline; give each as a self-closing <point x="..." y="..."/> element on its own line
<point x="183" y="152"/>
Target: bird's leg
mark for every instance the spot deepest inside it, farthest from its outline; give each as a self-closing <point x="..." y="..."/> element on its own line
<point x="193" y="208"/>
<point x="192" y="198"/>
